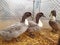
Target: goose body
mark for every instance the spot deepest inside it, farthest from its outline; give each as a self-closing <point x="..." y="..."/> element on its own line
<point x="38" y="24"/>
<point x="53" y="23"/>
<point x="16" y="29"/>
<point x="35" y="26"/>
<point x="13" y="31"/>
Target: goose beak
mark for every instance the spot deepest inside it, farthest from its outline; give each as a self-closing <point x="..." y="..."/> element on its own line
<point x="44" y="16"/>
<point x="31" y="16"/>
<point x="50" y="15"/>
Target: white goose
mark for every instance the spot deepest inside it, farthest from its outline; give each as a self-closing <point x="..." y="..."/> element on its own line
<point x="35" y="26"/>
<point x="15" y="30"/>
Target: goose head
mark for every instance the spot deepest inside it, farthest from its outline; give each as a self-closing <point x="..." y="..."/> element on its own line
<point x="25" y="16"/>
<point x="52" y="15"/>
<point x="38" y="21"/>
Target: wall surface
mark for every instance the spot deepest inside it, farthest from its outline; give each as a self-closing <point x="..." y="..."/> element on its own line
<point x="15" y="8"/>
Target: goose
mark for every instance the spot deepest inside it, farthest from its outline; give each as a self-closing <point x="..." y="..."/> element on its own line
<point x="53" y="23"/>
<point x="15" y="30"/>
<point x="34" y="26"/>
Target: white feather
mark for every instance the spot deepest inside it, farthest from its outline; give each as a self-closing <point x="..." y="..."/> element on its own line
<point x="40" y="24"/>
<point x="52" y="18"/>
<point x="26" y="22"/>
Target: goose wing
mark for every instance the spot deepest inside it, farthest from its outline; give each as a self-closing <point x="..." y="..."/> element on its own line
<point x="32" y="23"/>
<point x="33" y="26"/>
<point x="54" y="25"/>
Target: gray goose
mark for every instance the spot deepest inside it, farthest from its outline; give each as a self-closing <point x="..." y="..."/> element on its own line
<point x="53" y="23"/>
<point x="35" y="26"/>
<point x="15" y="30"/>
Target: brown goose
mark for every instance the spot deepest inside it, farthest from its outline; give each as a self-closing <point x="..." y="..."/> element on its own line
<point x="34" y="26"/>
<point x="15" y="30"/>
<point x="53" y="23"/>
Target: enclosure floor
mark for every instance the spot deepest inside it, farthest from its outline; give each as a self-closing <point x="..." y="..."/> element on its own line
<point x="44" y="37"/>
